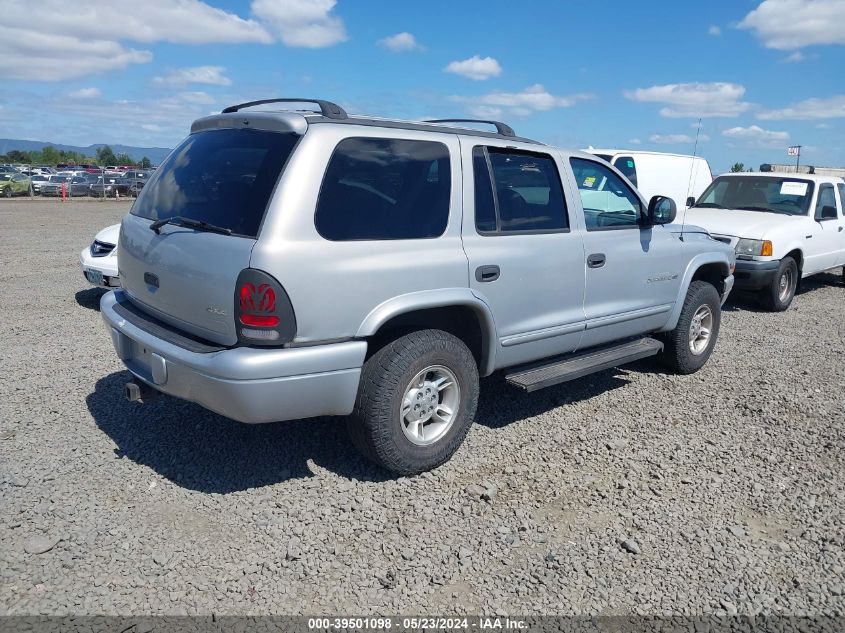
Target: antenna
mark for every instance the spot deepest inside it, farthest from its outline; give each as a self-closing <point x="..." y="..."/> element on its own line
<point x="692" y="169"/>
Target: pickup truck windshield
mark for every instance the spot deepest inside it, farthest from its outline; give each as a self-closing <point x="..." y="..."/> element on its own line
<point x="768" y="194"/>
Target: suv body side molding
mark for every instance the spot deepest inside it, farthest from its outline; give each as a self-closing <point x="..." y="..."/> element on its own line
<point x="446" y="298"/>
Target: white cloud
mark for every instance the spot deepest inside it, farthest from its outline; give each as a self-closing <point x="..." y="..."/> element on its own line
<point x="809" y="109"/>
<point x="302" y="23"/>
<point x="533" y="99"/>
<point x="676" y="139"/>
<point x="714" y="30"/>
<point x="401" y="43"/>
<point x="84" y="93"/>
<point x="208" y="75"/>
<point x="797" y="56"/>
<point x="694" y="99"/>
<point x="790" y="24"/>
<point x="478" y="68"/>
<point x="51" y="43"/>
<point x="756" y="136"/>
<point x="180" y="21"/>
<point x="634" y="141"/>
<point x="197" y="97"/>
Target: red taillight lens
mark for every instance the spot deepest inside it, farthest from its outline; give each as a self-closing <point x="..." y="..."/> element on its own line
<point x="263" y="311"/>
<point x="259" y="321"/>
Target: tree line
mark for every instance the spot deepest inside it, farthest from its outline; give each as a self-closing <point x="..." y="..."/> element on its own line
<point x="49" y="155"/>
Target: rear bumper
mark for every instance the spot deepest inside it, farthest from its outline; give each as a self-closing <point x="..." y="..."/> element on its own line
<point x="246" y="384"/>
<point x="754" y="275"/>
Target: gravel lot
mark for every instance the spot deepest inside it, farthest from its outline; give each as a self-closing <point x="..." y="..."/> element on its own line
<point x="627" y="492"/>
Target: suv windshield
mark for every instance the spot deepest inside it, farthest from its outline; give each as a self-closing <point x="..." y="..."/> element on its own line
<point x="221" y="177"/>
<point x="790" y="196"/>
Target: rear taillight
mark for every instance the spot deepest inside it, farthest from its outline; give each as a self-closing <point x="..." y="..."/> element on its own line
<point x="263" y="311"/>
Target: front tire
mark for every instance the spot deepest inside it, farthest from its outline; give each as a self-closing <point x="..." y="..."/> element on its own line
<point x="7" y="192"/>
<point x="416" y="402"/>
<point x="778" y="296"/>
<point x="687" y="347"/>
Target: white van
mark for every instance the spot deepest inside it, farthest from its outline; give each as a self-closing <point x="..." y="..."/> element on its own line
<point x="677" y="176"/>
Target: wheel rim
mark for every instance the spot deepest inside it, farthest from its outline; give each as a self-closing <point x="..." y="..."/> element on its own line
<point x="701" y="329"/>
<point x="430" y="405"/>
<point x="785" y="285"/>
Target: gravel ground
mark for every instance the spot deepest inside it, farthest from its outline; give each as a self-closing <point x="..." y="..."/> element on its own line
<point x="629" y="492"/>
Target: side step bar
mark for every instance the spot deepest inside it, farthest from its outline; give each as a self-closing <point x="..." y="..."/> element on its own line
<point x="558" y="370"/>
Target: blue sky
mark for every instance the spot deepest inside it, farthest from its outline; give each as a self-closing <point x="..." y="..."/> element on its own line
<point x="760" y="75"/>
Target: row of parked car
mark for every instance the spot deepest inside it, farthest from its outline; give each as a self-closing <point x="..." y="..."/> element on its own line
<point x="82" y="182"/>
<point x="375" y="269"/>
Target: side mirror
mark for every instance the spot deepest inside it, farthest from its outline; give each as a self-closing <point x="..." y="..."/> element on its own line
<point x="828" y="212"/>
<point x="690" y="201"/>
<point x="661" y="210"/>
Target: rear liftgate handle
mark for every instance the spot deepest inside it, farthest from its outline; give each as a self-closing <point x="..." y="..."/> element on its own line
<point x="487" y="273"/>
<point x="596" y="260"/>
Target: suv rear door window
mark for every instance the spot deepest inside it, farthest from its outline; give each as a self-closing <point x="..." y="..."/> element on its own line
<point x="517" y="191"/>
<point x="385" y="189"/>
<point x="223" y="177"/>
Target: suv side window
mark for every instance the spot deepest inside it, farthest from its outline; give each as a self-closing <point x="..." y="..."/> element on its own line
<point x="841" y="189"/>
<point x="385" y="189"/>
<point x="826" y="199"/>
<point x="517" y="192"/>
<point x="626" y="165"/>
<point x="608" y="202"/>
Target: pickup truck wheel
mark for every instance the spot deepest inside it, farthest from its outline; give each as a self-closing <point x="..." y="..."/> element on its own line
<point x="416" y="402"/>
<point x="687" y="347"/>
<point x="778" y="296"/>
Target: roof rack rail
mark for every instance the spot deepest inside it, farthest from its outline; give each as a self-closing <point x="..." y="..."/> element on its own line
<point x="327" y="108"/>
<point x="501" y="128"/>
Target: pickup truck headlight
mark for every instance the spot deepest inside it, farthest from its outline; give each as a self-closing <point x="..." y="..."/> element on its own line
<point x="750" y="248"/>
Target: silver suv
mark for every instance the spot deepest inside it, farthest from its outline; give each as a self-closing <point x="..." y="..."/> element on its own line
<point x="289" y="264"/>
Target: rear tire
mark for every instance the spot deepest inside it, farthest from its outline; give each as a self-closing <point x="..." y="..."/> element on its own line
<point x="780" y="293"/>
<point x="7" y="192"/>
<point x="687" y="347"/>
<point x="431" y="370"/>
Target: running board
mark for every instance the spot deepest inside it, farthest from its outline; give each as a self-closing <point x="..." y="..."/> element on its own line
<point x="558" y="370"/>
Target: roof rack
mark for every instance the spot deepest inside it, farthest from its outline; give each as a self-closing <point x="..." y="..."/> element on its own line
<point x="501" y="128"/>
<point x="327" y="108"/>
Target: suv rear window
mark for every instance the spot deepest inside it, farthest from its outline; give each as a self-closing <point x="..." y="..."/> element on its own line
<point x="385" y="189"/>
<point x="223" y="177"/>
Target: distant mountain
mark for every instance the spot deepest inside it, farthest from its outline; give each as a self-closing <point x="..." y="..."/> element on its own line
<point x="155" y="154"/>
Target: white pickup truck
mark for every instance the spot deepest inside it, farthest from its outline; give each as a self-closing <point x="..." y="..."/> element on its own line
<point x="783" y="227"/>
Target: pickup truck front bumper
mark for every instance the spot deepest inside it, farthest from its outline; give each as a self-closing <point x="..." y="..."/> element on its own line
<point x="247" y="384"/>
<point x="754" y="275"/>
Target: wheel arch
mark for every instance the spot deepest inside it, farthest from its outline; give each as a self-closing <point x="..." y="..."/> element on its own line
<point x="713" y="268"/>
<point x="456" y="311"/>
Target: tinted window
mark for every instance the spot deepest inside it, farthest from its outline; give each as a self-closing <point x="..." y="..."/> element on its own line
<point x="826" y="199"/>
<point x="523" y="194"/>
<point x="223" y="177"/>
<point x="385" y="189"/>
<point x="608" y="202"/>
<point x="841" y="189"/>
<point x="628" y="167"/>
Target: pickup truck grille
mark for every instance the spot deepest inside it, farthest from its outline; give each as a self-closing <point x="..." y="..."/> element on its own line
<point x="101" y="249"/>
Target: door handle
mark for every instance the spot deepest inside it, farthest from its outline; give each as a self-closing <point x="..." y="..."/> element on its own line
<point x="596" y="260"/>
<point x="487" y="273"/>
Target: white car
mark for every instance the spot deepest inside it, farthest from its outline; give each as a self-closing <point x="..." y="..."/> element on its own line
<point x="783" y="227"/>
<point x="678" y="176"/>
<point x="99" y="261"/>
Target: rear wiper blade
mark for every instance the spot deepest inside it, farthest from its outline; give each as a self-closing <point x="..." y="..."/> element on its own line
<point x="199" y="225"/>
